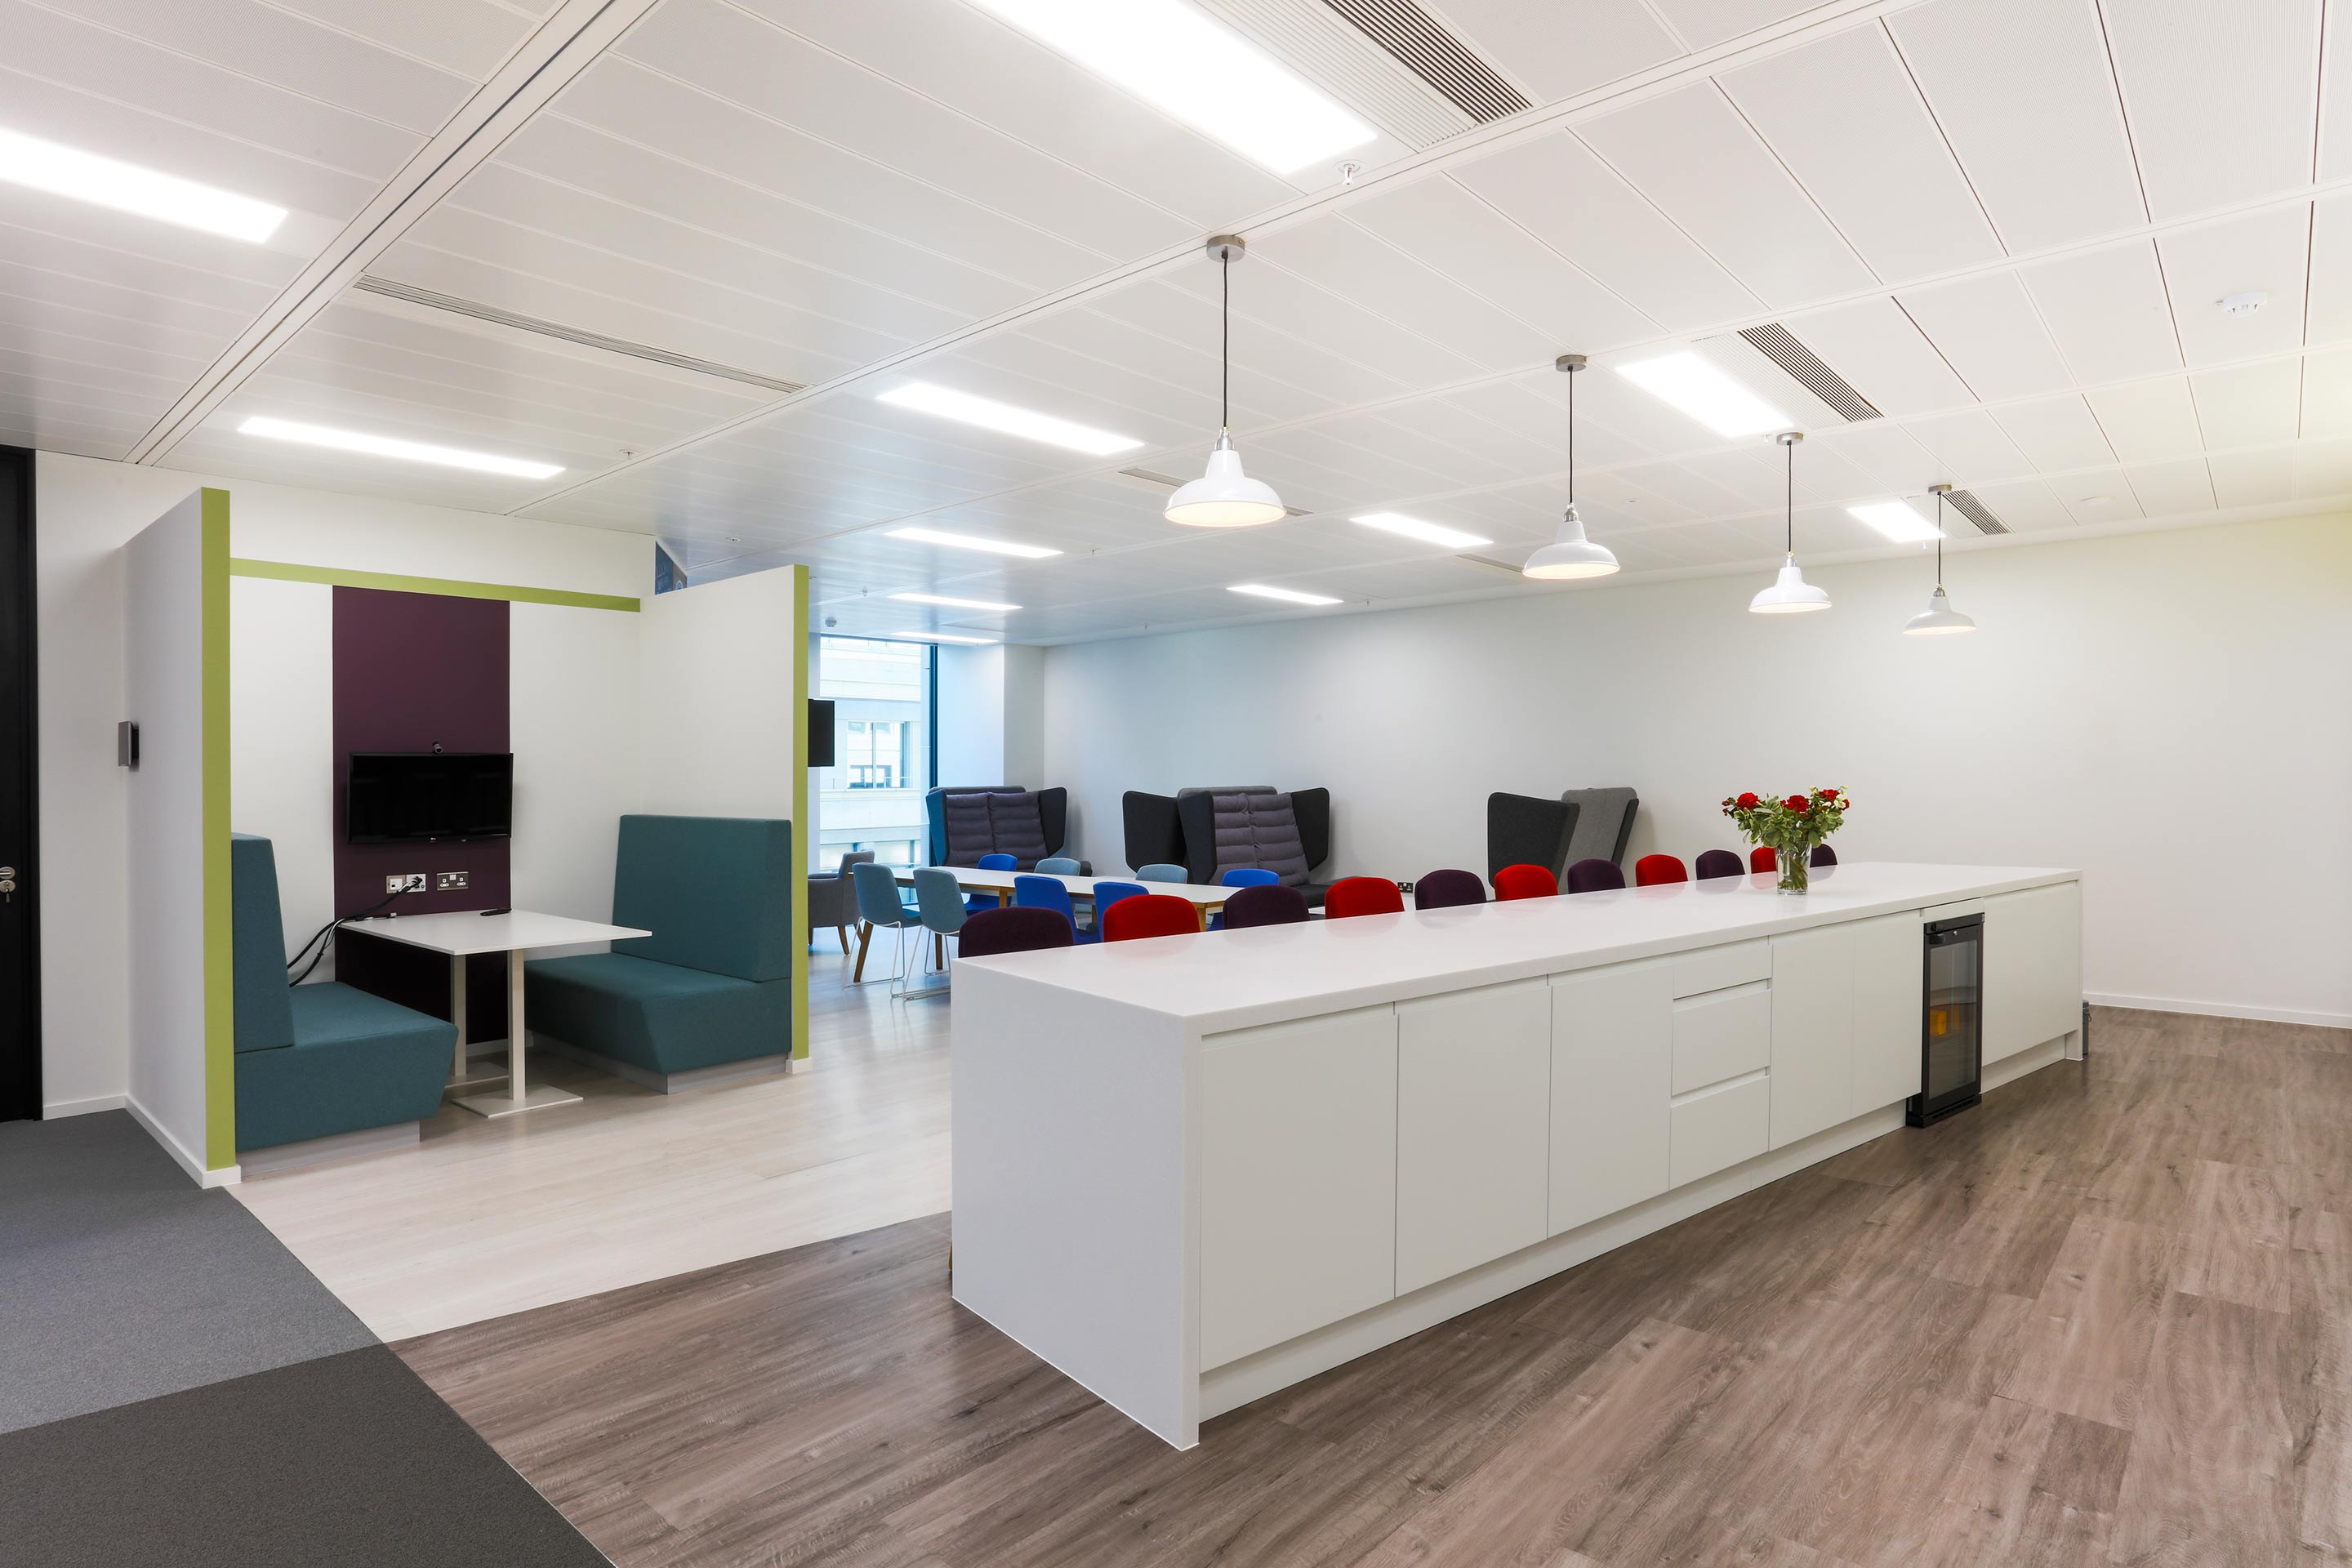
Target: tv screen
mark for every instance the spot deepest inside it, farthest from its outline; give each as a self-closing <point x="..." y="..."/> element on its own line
<point x="820" y="727"/>
<point x="403" y="798"/>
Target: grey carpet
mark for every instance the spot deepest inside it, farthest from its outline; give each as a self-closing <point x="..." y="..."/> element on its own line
<point x="338" y="1463"/>
<point x="121" y="1280"/>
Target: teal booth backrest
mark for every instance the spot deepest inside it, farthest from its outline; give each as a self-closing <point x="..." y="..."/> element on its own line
<point x="265" y="1015"/>
<point x="716" y="891"/>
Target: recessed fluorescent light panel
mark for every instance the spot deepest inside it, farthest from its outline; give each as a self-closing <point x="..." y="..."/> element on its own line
<point x="954" y="603"/>
<point x="972" y="542"/>
<point x="391" y="446"/>
<point x="989" y="415"/>
<point x="943" y="636"/>
<point x="1701" y="390"/>
<point x="1414" y="528"/>
<point x="1896" y="520"/>
<point x="1173" y="55"/>
<point x="126" y="187"/>
<point x="1288" y="595"/>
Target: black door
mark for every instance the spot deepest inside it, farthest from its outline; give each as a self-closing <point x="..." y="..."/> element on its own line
<point x="20" y="943"/>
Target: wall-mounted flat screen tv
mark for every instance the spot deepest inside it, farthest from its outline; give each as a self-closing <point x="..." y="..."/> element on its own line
<point x="406" y="797"/>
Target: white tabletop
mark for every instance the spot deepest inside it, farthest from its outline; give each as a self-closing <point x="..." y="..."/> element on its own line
<point x="973" y="880"/>
<point x="1264" y="972"/>
<point x="459" y="932"/>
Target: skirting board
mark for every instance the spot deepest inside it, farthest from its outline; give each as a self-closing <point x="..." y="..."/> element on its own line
<point x="339" y="1146"/>
<point x="1236" y="1383"/>
<point x="718" y="1077"/>
<point x="2220" y="1010"/>
<point x="226" y="1177"/>
<point x="61" y="1107"/>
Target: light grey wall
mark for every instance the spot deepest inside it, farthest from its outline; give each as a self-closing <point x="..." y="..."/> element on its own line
<point x="2166" y="710"/>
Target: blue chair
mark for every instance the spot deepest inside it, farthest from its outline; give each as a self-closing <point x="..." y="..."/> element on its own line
<point x="878" y="904"/>
<point x="1057" y="865"/>
<point x="1033" y="893"/>
<point x="979" y="902"/>
<point x="1243" y="877"/>
<point x="939" y="903"/>
<point x="1161" y="872"/>
<point x="1108" y="893"/>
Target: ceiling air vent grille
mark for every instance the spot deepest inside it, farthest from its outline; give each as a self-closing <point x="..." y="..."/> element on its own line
<point x="1774" y="342"/>
<point x="1435" y="56"/>
<point x="1975" y="511"/>
<point x="369" y="284"/>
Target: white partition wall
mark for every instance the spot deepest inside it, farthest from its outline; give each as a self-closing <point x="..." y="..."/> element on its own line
<point x="176" y="669"/>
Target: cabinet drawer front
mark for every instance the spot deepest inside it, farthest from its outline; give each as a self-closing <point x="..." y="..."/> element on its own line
<point x="1722" y="1035"/>
<point x="1717" y="968"/>
<point x="1717" y="1128"/>
<point x="1297" y="1178"/>
<point x="1474" y="1135"/>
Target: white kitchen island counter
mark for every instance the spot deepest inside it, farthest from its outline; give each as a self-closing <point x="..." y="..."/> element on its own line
<point x="1193" y="1170"/>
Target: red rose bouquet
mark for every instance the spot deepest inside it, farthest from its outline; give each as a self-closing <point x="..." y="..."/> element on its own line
<point x="1789" y="827"/>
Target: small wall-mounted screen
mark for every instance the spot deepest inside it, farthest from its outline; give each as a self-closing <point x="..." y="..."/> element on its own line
<point x="401" y="798"/>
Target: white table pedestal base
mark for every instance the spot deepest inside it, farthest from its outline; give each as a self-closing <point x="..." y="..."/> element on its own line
<point x="497" y="1105"/>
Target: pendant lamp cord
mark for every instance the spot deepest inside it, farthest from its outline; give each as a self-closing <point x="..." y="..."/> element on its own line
<point x="1789" y="501"/>
<point x="1939" y="541"/>
<point x="1571" y="440"/>
<point x="1226" y="349"/>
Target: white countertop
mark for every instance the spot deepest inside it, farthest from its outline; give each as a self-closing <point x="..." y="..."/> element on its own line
<point x="459" y="932"/>
<point x="1237" y="979"/>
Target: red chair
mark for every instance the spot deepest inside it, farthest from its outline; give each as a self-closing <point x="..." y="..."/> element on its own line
<point x="1761" y="858"/>
<point x="1351" y="896"/>
<point x="1651" y="870"/>
<point x="1152" y="914"/>
<point x="1525" y="882"/>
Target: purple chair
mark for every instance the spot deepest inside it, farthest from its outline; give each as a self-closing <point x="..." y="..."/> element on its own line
<point x="1020" y="928"/>
<point x="1720" y="863"/>
<point x="1445" y="889"/>
<point x="1593" y="875"/>
<point x="1266" y="904"/>
<point x="1822" y="854"/>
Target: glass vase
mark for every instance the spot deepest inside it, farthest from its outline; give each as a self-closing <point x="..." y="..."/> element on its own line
<point x="1795" y="869"/>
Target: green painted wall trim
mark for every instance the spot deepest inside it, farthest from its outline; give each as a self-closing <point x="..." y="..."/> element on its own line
<point x="451" y="588"/>
<point x="220" y="998"/>
<point x="802" y="840"/>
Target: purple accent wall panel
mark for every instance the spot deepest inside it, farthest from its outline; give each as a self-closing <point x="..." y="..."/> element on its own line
<point x="411" y="670"/>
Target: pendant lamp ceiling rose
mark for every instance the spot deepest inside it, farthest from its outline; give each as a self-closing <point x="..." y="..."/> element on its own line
<point x="1789" y="438"/>
<point x="1227" y="248"/>
<point x="1571" y="364"/>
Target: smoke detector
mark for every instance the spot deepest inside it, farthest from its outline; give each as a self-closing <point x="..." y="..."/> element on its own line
<point x="2243" y="304"/>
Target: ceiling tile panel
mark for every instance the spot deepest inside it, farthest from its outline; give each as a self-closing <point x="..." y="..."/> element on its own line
<point x="2027" y="505"/>
<point x="1875" y="346"/>
<point x="1261" y="352"/>
<point x="1272" y="296"/>
<point x="2056" y="433"/>
<point x="1555" y="188"/>
<point x="1558" y="51"/>
<point x="1690" y="153"/>
<point x="2102" y="495"/>
<point x="2249" y="404"/>
<point x="2268" y="252"/>
<point x="1967" y="447"/>
<point x="2221" y="102"/>
<point x="2252" y="479"/>
<point x="2330" y="306"/>
<point x="2109" y="311"/>
<point x="2023" y="92"/>
<point x="1356" y="264"/>
<point x="2149" y="421"/>
<point x="1701" y="23"/>
<point x="1988" y="330"/>
<point x="2327" y="394"/>
<point x="1844" y="116"/>
<point x="2172" y="490"/>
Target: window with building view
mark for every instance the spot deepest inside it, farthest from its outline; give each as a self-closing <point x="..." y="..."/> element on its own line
<point x="872" y="797"/>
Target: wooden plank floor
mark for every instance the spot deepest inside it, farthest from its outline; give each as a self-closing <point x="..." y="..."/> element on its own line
<point x="2105" y="1317"/>
<point x="490" y="1218"/>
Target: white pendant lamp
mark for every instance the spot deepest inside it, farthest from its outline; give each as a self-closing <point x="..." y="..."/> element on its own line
<point x="1789" y="593"/>
<point x="1225" y="497"/>
<point x="1938" y="619"/>
<point x="1569" y="555"/>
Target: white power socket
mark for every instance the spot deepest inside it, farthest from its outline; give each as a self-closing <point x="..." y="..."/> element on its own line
<point x="408" y="882"/>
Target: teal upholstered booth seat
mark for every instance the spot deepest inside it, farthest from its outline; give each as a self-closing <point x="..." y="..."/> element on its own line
<point x="712" y="986"/>
<point x="319" y="1061"/>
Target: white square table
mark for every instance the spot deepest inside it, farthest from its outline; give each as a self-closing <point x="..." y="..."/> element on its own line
<point x="461" y="934"/>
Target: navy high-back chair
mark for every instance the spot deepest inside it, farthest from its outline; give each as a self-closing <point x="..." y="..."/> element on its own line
<point x="1594" y="876"/>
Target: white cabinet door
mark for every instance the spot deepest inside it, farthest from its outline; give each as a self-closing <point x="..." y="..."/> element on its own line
<point x="1612" y="1069"/>
<point x="1297" y="1178"/>
<point x="1812" y="1031"/>
<point x="2032" y="968"/>
<point x="1474" y="1129"/>
<point x="1889" y="970"/>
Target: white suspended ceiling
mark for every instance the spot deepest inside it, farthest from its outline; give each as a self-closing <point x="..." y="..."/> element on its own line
<point x="2005" y="222"/>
